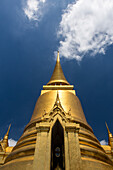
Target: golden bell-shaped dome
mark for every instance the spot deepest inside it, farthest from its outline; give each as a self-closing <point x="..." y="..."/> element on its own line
<point x="69" y="102"/>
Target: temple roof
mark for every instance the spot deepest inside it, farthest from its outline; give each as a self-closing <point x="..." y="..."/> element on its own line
<point x="58" y="75"/>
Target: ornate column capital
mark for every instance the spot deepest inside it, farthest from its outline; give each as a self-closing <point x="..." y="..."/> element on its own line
<point x="72" y="127"/>
<point x="43" y="127"/>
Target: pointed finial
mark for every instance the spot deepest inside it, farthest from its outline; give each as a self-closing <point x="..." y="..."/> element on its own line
<point x="8" y="130"/>
<point x="57" y="98"/>
<point x="7" y="134"/>
<point x="58" y="58"/>
<point x="109" y="135"/>
<point x="57" y="102"/>
<point x="107" y="127"/>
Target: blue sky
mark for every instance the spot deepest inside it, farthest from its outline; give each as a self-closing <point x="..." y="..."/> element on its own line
<point x="27" y="59"/>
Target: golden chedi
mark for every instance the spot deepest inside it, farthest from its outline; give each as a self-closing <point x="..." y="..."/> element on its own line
<point x="58" y="135"/>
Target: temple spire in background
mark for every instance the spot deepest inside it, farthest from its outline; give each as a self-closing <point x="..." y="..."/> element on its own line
<point x="110" y="137"/>
<point x="4" y="142"/>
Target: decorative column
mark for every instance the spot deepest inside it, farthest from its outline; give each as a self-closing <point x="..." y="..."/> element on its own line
<point x="42" y="149"/>
<point x="72" y="148"/>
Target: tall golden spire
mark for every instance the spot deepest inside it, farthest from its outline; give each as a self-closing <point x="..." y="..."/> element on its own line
<point x="109" y="134"/>
<point x="4" y="142"/>
<point x="58" y="75"/>
<point x="7" y="134"/>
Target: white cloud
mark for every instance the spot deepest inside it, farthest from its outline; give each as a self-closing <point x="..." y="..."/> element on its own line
<point x="12" y="142"/>
<point x="33" y="9"/>
<point x="103" y="142"/>
<point x="86" y="27"/>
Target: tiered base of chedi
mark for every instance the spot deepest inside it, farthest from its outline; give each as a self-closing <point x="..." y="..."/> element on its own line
<point x="58" y="135"/>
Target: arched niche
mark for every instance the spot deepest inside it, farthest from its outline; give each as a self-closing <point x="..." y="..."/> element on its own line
<point x="57" y="147"/>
